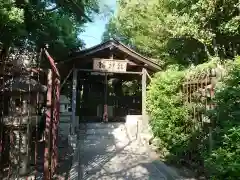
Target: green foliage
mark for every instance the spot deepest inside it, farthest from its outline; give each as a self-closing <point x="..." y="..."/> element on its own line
<point x="11" y="22"/>
<point x="200" y="71"/>
<point x="131" y="22"/>
<point x="53" y="22"/>
<point x="169" y="117"/>
<point x="184" y="32"/>
<point x="187" y="33"/>
<point x="131" y="88"/>
<point x="224" y="160"/>
<point x="182" y="136"/>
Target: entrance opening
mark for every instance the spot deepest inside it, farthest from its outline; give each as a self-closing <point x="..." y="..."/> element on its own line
<point x="108" y="82"/>
<point x="120" y="93"/>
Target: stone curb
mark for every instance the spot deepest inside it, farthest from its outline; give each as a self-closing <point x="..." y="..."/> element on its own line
<point x="74" y="171"/>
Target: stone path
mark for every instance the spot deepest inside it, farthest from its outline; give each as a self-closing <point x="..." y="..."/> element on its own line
<point x="112" y="152"/>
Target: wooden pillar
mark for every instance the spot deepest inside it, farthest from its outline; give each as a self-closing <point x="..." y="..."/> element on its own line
<point x="105" y="115"/>
<point x="48" y="127"/>
<point x="78" y="97"/>
<point x="144" y="96"/>
<point x="74" y="97"/>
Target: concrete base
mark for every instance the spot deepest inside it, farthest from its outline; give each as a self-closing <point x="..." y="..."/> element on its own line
<point x="136" y="127"/>
<point x="72" y="140"/>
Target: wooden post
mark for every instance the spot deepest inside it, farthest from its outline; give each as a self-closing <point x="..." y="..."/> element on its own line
<point x="47" y="134"/>
<point x="55" y="124"/>
<point x="144" y="96"/>
<point x="74" y="95"/>
<point x="105" y="115"/>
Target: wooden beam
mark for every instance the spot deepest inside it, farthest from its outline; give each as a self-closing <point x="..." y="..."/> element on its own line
<point x="152" y="65"/>
<point x="148" y="75"/>
<point x="74" y="96"/>
<point x="131" y="63"/>
<point x="144" y="96"/>
<point x="109" y="72"/>
<point x="65" y="80"/>
<point x="110" y="59"/>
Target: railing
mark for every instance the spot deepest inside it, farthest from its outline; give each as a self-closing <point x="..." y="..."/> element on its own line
<point x="198" y="94"/>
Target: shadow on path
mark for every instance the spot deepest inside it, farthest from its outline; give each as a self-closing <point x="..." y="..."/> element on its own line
<point x="117" y="155"/>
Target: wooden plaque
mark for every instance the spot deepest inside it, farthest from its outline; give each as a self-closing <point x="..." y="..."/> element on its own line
<point x="110" y="65"/>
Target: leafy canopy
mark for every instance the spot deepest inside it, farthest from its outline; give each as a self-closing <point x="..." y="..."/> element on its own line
<point x="55" y="22"/>
<point x="179" y="31"/>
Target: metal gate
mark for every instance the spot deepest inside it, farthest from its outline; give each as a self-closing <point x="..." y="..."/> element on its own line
<point x="29" y="115"/>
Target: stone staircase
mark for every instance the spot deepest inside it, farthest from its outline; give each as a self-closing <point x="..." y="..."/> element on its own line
<point x="132" y="129"/>
<point x="101" y="130"/>
<point x="117" y="148"/>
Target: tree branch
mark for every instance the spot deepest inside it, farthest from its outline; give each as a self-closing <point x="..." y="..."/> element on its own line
<point x="81" y="10"/>
<point x="53" y="9"/>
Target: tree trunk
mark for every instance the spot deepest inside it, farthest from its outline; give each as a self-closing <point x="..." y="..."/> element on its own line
<point x="4" y="52"/>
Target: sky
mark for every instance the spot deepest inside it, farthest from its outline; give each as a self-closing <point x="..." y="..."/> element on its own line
<point x="94" y="31"/>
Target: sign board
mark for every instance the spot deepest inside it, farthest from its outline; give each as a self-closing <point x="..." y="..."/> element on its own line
<point x="110" y="65"/>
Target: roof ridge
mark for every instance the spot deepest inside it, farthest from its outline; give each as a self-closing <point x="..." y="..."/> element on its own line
<point x="120" y="46"/>
<point x="102" y="43"/>
<point x="147" y="58"/>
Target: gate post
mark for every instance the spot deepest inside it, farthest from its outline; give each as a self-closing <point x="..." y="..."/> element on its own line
<point x="52" y="119"/>
<point x="48" y="126"/>
<point x="144" y="97"/>
<point x="105" y="111"/>
<point x="74" y="96"/>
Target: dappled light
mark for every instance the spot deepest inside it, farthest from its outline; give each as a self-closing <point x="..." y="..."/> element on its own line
<point x="117" y="155"/>
<point x="157" y="99"/>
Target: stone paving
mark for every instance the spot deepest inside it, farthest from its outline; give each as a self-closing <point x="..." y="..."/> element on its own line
<point x="112" y="152"/>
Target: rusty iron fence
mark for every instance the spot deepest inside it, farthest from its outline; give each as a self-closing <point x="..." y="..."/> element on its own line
<point x="198" y="93"/>
<point x="29" y="115"/>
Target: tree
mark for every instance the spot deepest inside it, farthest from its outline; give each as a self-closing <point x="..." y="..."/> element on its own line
<point x="55" y="22"/>
<point x="183" y="32"/>
<point x="215" y="23"/>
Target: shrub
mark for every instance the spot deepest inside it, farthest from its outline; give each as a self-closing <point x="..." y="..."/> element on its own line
<point x="169" y="117"/>
<point x="224" y="161"/>
<point x="171" y="120"/>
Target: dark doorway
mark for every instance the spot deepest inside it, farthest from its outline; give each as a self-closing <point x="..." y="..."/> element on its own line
<point x="121" y="94"/>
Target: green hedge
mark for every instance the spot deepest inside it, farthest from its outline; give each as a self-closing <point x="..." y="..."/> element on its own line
<point x="224" y="161"/>
<point x="169" y="117"/>
<point x="172" y="124"/>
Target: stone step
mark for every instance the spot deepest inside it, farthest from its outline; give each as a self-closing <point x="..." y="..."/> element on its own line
<point x="82" y="131"/>
<point x="102" y="137"/>
<point x="100" y="125"/>
<point x="97" y="131"/>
